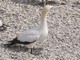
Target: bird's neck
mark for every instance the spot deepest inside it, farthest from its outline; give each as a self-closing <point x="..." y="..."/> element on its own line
<point x="44" y="16"/>
<point x="43" y="23"/>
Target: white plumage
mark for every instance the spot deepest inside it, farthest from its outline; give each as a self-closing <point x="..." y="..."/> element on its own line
<point x="1" y="23"/>
<point x="30" y="36"/>
<point x="38" y="32"/>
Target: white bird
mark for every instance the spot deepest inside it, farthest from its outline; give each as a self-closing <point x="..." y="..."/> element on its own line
<point x="2" y="26"/>
<point x="1" y="23"/>
<point x="33" y="35"/>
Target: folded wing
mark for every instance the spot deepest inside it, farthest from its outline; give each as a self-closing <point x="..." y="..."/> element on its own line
<point x="29" y="36"/>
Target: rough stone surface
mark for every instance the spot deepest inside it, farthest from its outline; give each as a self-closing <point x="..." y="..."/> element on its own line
<point x="63" y="40"/>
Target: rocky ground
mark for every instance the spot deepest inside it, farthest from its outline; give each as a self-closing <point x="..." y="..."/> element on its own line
<point x="63" y="40"/>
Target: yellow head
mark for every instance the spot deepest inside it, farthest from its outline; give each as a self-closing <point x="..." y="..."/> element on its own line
<point x="47" y="8"/>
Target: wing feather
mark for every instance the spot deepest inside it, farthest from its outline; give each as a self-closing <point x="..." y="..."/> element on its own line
<point x="29" y="36"/>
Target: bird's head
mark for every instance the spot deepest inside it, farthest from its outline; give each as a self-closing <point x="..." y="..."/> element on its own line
<point x="47" y="8"/>
<point x="45" y="11"/>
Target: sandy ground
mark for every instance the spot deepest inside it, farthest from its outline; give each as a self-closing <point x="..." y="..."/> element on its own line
<point x="63" y="40"/>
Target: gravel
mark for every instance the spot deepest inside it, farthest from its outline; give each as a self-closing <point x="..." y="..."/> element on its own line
<point x="63" y="40"/>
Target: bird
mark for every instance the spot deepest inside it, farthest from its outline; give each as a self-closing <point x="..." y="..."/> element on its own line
<point x="31" y="36"/>
<point x="2" y="26"/>
<point x="1" y="23"/>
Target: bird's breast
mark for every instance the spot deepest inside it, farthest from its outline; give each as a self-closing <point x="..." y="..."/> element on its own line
<point x="44" y="33"/>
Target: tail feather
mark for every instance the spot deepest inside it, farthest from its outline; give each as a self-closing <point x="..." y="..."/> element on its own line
<point x="13" y="42"/>
<point x="16" y="41"/>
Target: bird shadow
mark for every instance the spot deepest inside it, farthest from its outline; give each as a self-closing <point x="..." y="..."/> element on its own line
<point x="20" y="48"/>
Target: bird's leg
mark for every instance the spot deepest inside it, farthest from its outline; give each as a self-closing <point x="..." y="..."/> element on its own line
<point x="31" y="50"/>
<point x="44" y="2"/>
<point x="36" y="51"/>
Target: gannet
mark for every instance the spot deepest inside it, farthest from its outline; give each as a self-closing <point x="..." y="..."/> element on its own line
<point x="1" y="23"/>
<point x="33" y="35"/>
<point x="2" y="26"/>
